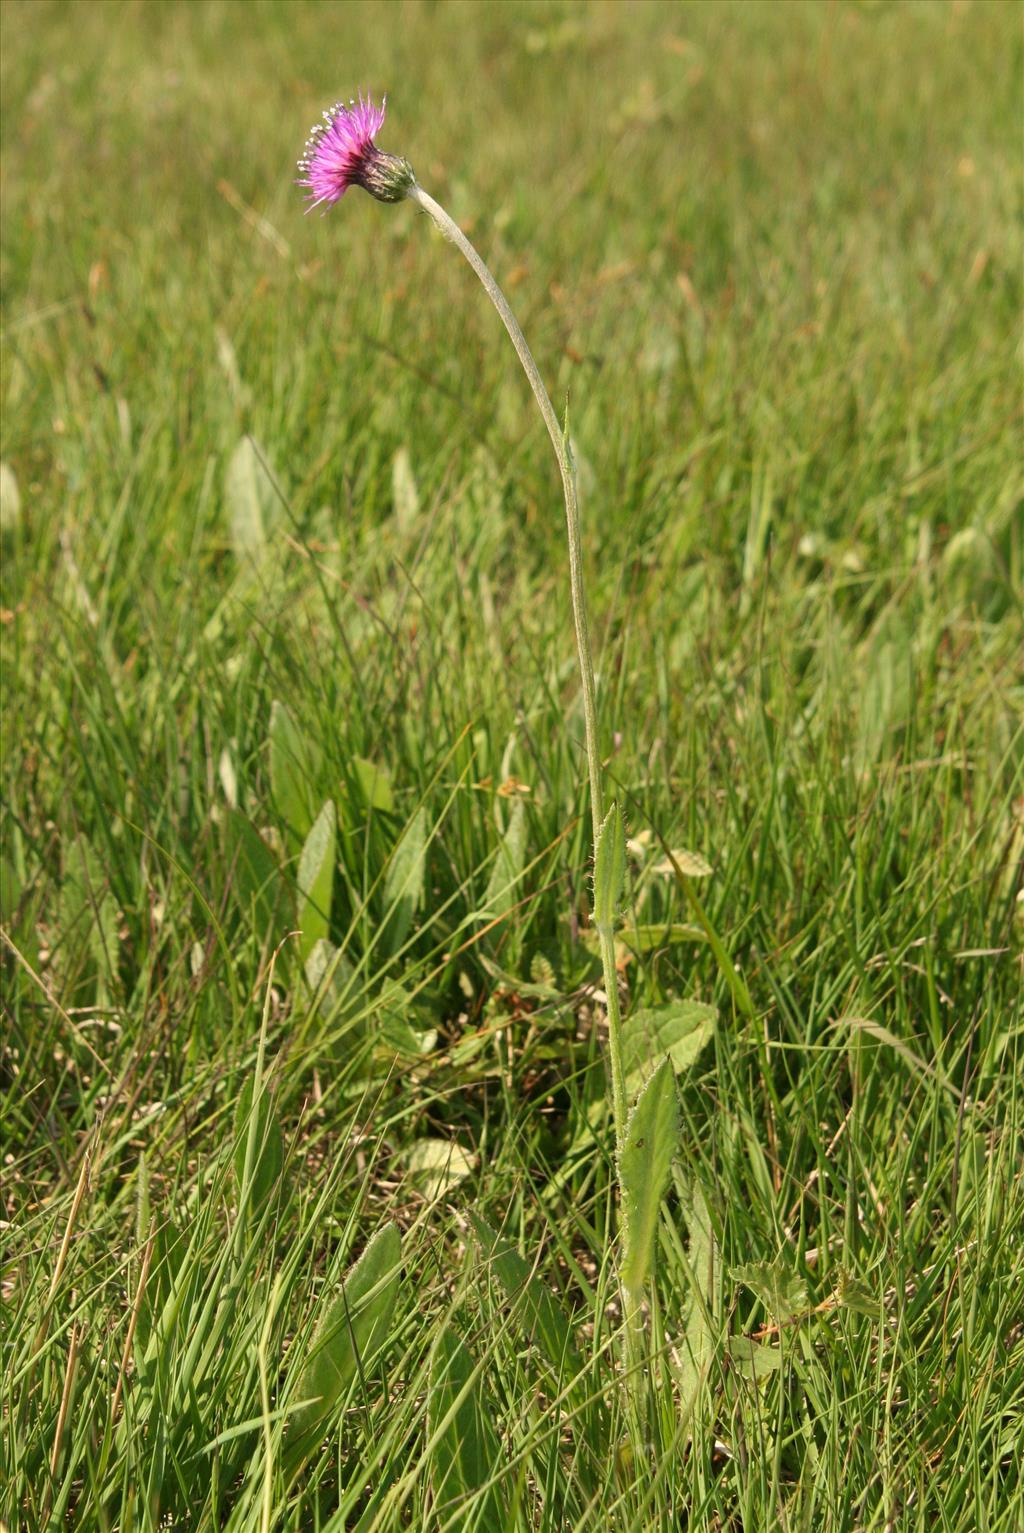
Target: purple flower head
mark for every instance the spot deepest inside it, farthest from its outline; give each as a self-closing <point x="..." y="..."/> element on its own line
<point x="340" y="153"/>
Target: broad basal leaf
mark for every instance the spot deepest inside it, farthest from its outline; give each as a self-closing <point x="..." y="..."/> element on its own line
<point x="508" y="865"/>
<point x="537" y="1312"/>
<point x="403" y="886"/>
<point x="677" y="1031"/>
<point x="252" y="502"/>
<point x="353" y="1327"/>
<point x="316" y="880"/>
<point x="464" y="1453"/>
<point x="294" y="767"/>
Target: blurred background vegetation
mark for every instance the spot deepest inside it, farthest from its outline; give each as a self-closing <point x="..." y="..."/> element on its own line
<point x="280" y="529"/>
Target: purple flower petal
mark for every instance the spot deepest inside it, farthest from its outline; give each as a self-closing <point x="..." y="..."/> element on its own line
<point x="340" y="149"/>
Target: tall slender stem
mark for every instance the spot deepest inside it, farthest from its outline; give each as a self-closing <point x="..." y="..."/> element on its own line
<point x="451" y="231"/>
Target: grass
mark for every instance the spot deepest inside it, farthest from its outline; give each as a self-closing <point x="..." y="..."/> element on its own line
<point x="773" y="253"/>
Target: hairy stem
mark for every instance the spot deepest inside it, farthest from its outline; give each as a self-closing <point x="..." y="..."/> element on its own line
<point x="451" y="231"/>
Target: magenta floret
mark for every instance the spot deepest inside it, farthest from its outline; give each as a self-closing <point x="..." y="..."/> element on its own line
<point x="340" y="153"/>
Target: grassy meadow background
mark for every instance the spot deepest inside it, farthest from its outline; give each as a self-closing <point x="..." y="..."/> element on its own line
<point x="281" y="530"/>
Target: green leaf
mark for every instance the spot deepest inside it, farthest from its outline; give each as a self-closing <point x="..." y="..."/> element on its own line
<point x="609" y="868"/>
<point x="465" y="1454"/>
<point x="395" y="1031"/>
<point x="782" y="1292"/>
<point x="87" y="919"/>
<point x="329" y="976"/>
<point x="645" y="938"/>
<point x="696" y="1347"/>
<point x="255" y="876"/>
<point x="10" y="500"/>
<point x="435" y="1165"/>
<point x="405" y="494"/>
<point x="508" y="865"/>
<point x="316" y="880"/>
<point x="403" y="886"/>
<point x="541" y="1318"/>
<point x="268" y="1159"/>
<point x="754" y="1361"/>
<point x="678" y="1031"/>
<point x="169" y="1251"/>
<point x="352" y="1329"/>
<point x="690" y="864"/>
<point x="374" y="784"/>
<point x="855" y="1295"/>
<point x="904" y="1051"/>
<point x="294" y="768"/>
<point x="250" y="498"/>
<point x="652" y="1134"/>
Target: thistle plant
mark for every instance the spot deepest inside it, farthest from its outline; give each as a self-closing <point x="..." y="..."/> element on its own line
<point x="341" y="153"/>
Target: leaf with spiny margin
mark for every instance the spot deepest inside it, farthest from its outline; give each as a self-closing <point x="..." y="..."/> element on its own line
<point x="268" y="1157"/>
<point x="316" y="880"/>
<point x="294" y="767"/>
<point x="537" y="1311"/>
<point x="464" y="1451"/>
<point x="508" y="865"/>
<point x="652" y="1134"/>
<point x="609" y="868"/>
<point x="679" y="1031"/>
<point x="403" y="886"/>
<point x="350" y="1332"/>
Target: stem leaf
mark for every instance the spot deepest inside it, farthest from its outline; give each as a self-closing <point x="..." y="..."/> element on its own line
<point x="651" y="1137"/>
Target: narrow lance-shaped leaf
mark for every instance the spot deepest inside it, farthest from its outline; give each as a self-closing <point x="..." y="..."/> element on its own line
<point x="537" y="1311"/>
<point x="316" y="880"/>
<point x="697" y="1344"/>
<point x="353" y="1328"/>
<point x="652" y="1134"/>
<point x="609" y="868"/>
<point x="250" y="497"/>
<point x="403" y="886"/>
<point x="269" y="1150"/>
<point x="508" y="864"/>
<point x="294" y="765"/>
<point x="255" y="876"/>
<point x="465" y="1455"/>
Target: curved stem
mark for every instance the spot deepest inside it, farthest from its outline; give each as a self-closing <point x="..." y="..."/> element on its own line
<point x="451" y="231"/>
